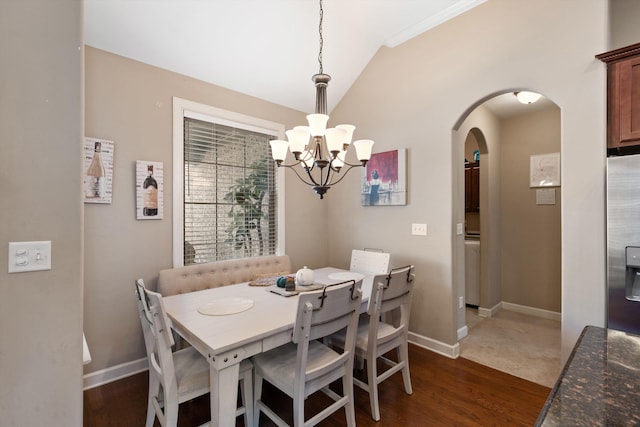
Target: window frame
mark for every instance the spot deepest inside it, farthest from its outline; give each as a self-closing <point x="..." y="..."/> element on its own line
<point x="184" y="108"/>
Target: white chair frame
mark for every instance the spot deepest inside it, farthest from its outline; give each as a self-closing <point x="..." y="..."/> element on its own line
<point x="176" y="377"/>
<point x="306" y="365"/>
<point x="369" y="262"/>
<point x="385" y="327"/>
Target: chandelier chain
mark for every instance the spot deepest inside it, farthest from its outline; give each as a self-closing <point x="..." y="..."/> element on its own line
<point x="321" y="39"/>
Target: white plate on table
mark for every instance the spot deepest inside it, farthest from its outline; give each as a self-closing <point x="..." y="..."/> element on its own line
<point x="346" y="275"/>
<point x="225" y="306"/>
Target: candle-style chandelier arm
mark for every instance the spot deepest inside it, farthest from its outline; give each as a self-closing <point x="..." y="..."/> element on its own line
<point x="311" y="181"/>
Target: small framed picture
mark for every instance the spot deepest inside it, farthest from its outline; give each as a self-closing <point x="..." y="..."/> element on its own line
<point x="98" y="170"/>
<point x="384" y="179"/>
<point x="545" y="170"/>
<point x="149" y="190"/>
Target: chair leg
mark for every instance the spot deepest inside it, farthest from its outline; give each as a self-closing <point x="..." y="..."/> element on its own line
<point x="171" y="414"/>
<point x="298" y="410"/>
<point x="347" y="390"/>
<point x="154" y="389"/>
<point x="246" y="392"/>
<point x="403" y="356"/>
<point x="359" y="362"/>
<point x="257" y="395"/>
<point x="372" y="381"/>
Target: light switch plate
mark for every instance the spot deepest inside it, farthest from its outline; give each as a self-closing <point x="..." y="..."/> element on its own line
<point x="459" y="229"/>
<point x="419" y="229"/>
<point x="29" y="256"/>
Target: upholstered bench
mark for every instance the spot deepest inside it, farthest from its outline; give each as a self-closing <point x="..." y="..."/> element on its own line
<point x="197" y="277"/>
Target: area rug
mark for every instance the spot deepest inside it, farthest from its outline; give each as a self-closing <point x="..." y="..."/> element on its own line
<point x="521" y="345"/>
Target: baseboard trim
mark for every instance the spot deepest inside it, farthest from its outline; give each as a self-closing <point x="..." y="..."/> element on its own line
<point x="450" y="351"/>
<point x="117" y="372"/>
<point x="463" y="332"/>
<point x="489" y="312"/>
<point x="532" y="311"/>
<point x="105" y="376"/>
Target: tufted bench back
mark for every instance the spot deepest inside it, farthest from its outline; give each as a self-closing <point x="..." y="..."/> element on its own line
<point x="220" y="273"/>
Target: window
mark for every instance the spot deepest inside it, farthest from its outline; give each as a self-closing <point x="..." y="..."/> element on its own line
<point x="228" y="196"/>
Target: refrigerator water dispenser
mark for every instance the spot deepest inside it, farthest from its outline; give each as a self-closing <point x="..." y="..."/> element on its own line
<point x="632" y="282"/>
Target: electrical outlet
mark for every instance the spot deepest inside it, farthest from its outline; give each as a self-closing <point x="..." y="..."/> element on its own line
<point x="459" y="229"/>
<point x="461" y="302"/>
<point x="419" y="229"/>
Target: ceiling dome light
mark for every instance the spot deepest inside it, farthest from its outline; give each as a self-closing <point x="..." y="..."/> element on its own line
<point x="527" y="97"/>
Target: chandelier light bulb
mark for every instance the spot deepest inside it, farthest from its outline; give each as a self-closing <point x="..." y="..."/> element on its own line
<point x="335" y="139"/>
<point x="363" y="149"/>
<point x="279" y="149"/>
<point x="298" y="139"/>
<point x="317" y="124"/>
<point x="349" y="133"/>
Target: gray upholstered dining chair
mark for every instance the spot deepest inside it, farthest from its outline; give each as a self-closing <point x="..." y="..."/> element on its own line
<point x="305" y="365"/>
<point x="176" y="377"/>
<point x="382" y="329"/>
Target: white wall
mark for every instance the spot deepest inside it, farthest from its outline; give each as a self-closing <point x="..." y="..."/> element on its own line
<point x="40" y="197"/>
<point x="412" y="96"/>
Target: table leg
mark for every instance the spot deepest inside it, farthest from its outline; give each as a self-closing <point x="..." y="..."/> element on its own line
<point x="224" y="395"/>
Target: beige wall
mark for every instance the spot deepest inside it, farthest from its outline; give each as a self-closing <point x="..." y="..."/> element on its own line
<point x="40" y="195"/>
<point x="485" y="127"/>
<point x="531" y="246"/>
<point x="131" y="103"/>
<point x="412" y="96"/>
<point x="624" y="28"/>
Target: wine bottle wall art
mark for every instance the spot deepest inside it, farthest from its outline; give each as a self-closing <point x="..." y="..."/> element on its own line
<point x="98" y="170"/>
<point x="149" y="190"/>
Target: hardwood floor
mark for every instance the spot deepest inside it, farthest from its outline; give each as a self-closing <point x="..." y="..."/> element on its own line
<point x="446" y="392"/>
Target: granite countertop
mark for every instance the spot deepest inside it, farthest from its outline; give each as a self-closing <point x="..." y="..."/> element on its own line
<point x="600" y="383"/>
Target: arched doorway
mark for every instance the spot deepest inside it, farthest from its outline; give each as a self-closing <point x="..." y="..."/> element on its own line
<point x="519" y="225"/>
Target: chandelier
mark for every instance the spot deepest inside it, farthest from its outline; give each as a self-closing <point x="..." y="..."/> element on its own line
<point x="320" y="151"/>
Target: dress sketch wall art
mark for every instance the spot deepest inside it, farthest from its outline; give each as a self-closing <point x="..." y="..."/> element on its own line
<point x="384" y="180"/>
<point x="98" y="170"/>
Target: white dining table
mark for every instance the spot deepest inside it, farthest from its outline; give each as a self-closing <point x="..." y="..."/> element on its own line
<point x="226" y="340"/>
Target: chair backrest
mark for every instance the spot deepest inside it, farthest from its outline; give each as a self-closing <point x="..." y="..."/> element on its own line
<point x="157" y="334"/>
<point x="321" y="313"/>
<point x="391" y="296"/>
<point x="369" y="262"/>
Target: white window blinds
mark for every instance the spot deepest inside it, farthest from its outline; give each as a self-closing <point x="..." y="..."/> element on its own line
<point x="229" y="193"/>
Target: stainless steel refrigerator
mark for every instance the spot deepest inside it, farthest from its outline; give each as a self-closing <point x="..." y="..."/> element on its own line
<point x="623" y="243"/>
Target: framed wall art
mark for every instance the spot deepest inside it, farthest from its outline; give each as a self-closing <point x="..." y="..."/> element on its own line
<point x="149" y="190"/>
<point x="384" y="179"/>
<point x="545" y="170"/>
<point x="98" y="170"/>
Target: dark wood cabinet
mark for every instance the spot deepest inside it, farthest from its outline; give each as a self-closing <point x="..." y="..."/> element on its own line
<point x="472" y="187"/>
<point x="623" y="99"/>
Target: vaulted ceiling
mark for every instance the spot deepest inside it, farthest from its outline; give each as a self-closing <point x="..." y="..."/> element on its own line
<point x="263" y="48"/>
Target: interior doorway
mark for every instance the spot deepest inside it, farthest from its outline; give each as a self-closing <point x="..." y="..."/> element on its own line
<point x="515" y="226"/>
<point x="474" y="146"/>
